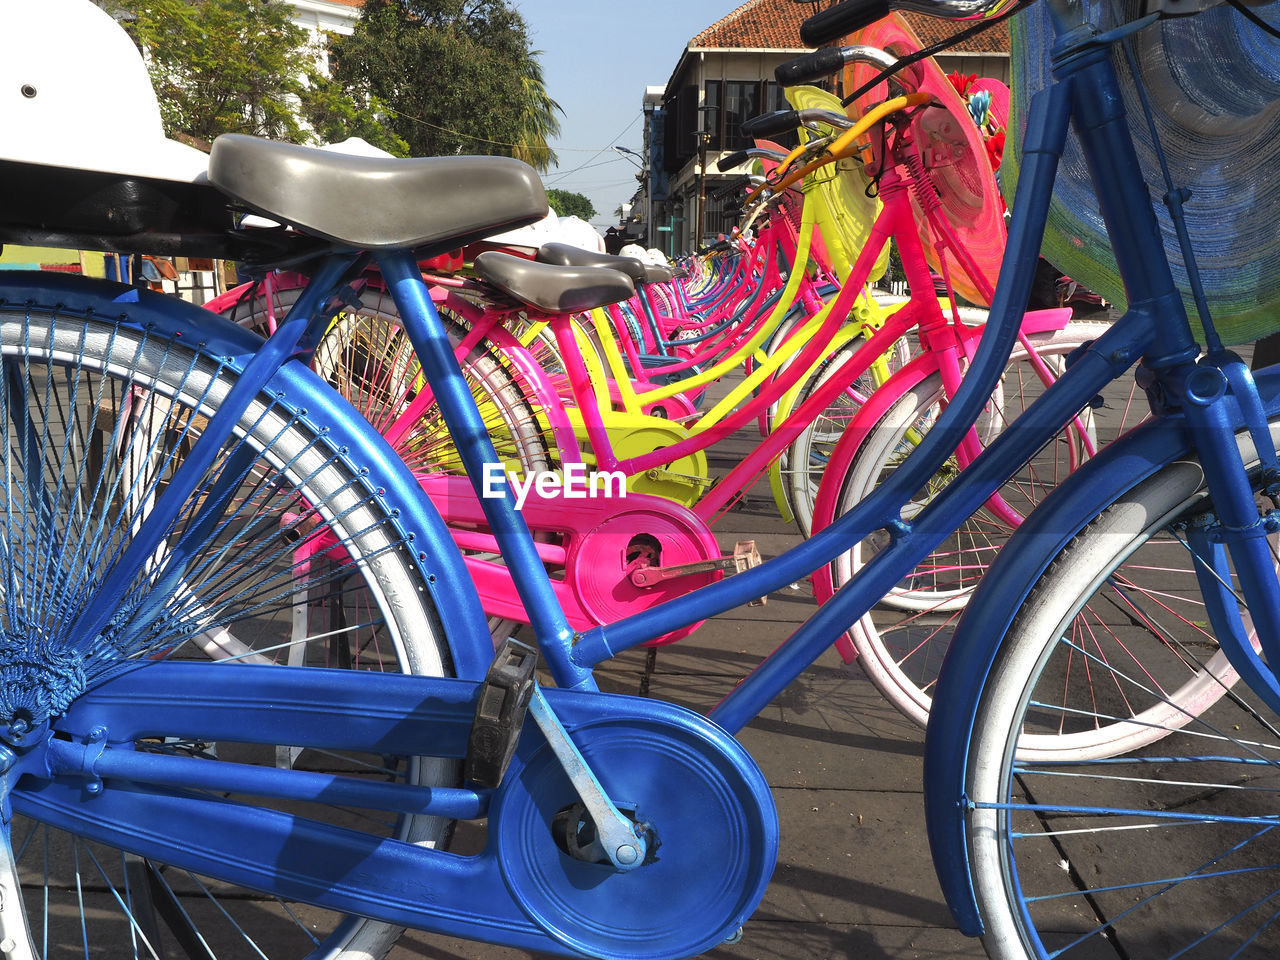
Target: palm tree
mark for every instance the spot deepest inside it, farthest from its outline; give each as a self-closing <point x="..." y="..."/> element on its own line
<point x="538" y="123"/>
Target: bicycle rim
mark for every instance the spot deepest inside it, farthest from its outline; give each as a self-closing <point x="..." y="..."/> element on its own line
<point x="1169" y="850"/>
<point x="96" y="417"/>
<point x="902" y="641"/>
<point x="367" y="357"/>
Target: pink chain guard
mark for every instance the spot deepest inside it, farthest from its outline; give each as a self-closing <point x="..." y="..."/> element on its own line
<point x="600" y="539"/>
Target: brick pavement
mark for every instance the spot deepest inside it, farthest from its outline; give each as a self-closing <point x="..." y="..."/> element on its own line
<point x="854" y="879"/>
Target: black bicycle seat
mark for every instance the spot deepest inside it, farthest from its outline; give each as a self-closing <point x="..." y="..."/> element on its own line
<point x="550" y="288"/>
<point x="427" y="204"/>
<point x="656" y="274"/>
<point x="567" y="255"/>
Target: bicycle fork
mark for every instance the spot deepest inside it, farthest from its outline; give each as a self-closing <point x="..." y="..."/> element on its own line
<point x="1211" y="390"/>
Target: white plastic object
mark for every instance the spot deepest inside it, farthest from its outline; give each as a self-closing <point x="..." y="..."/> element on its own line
<point x="74" y="92"/>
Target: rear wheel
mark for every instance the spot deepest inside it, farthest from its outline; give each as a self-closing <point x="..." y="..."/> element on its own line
<point x="95" y="419"/>
<point x="367" y="357"/>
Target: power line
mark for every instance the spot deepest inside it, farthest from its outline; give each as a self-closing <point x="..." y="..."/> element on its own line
<point x="561" y="175"/>
<point x="456" y="133"/>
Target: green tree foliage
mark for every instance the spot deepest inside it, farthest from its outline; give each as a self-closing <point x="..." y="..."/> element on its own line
<point x="457" y="76"/>
<point x="242" y="66"/>
<point x="335" y="116"/>
<point x="569" y="204"/>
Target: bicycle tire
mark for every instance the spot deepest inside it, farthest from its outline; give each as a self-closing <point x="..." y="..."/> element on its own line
<point x="1162" y="852"/>
<point x="901" y="642"/>
<point x="806" y="458"/>
<point x="366" y="356"/>
<point x="70" y="419"/>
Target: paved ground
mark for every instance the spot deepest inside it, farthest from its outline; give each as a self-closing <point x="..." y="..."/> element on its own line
<point x="854" y="879"/>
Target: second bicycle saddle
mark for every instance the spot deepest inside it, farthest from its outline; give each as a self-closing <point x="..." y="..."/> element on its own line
<point x="567" y="255"/>
<point x="551" y="288"/>
<point x="428" y="204"/>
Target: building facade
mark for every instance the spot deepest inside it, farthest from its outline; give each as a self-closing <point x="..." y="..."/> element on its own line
<point x="726" y="76"/>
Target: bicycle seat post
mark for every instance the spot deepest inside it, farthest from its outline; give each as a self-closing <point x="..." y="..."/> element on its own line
<point x="431" y="344"/>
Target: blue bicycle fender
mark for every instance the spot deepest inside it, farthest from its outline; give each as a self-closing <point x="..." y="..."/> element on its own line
<point x="365" y="450"/>
<point x="1117" y="469"/>
<point x="433" y="551"/>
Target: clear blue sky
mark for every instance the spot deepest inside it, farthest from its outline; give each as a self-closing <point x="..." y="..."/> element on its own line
<point x="597" y="58"/>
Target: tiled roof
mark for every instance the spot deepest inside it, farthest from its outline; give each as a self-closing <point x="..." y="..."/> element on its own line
<point x="763" y="24"/>
<point x="930" y="30"/>
<point x="775" y="25"/>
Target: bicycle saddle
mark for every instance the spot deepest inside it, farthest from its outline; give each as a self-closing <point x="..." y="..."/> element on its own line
<point x="550" y="288"/>
<point x="567" y="255"/>
<point x="428" y="204"/>
<point x="656" y="274"/>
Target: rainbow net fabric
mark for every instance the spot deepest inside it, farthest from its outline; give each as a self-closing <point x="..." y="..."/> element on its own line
<point x="1214" y="85"/>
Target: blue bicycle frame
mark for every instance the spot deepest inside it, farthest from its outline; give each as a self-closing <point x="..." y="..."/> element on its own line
<point x="1156" y="316"/>
<point x="460" y="895"/>
<point x="1201" y="407"/>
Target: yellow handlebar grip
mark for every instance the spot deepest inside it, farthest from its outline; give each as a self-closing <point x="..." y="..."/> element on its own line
<point x="844" y="145"/>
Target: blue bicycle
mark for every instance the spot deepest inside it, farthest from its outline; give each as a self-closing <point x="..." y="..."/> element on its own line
<point x="171" y="481"/>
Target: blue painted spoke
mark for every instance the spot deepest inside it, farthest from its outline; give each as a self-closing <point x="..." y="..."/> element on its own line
<point x="53" y="556"/>
<point x="124" y="903"/>
<point x="84" y="932"/>
<point x="244" y="934"/>
<point x="1168" y="884"/>
<point x="1261" y="928"/>
<point x="1198" y="719"/>
<point x="1160" y="815"/>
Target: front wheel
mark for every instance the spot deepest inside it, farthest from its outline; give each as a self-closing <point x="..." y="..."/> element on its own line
<point x="1171" y="849"/>
<point x="808" y="456"/>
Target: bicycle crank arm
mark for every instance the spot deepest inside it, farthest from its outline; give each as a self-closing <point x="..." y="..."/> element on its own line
<point x="744" y="557"/>
<point x="711" y="850"/>
<point x="658" y="473"/>
<point x="621" y="841"/>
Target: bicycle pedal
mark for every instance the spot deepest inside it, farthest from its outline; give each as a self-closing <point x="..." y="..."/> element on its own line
<point x="744" y="557"/>
<point x="500" y="711"/>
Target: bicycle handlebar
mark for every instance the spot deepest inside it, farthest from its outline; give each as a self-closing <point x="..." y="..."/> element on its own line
<point x="780" y="121"/>
<point x="768" y="124"/>
<point x="845" y="18"/>
<point x="838" y="148"/>
<point x="810" y="67"/>
<point x="842" y="19"/>
<point x="731" y="188"/>
<point x="742" y="156"/>
<point x="732" y="160"/>
<point x="824" y="62"/>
